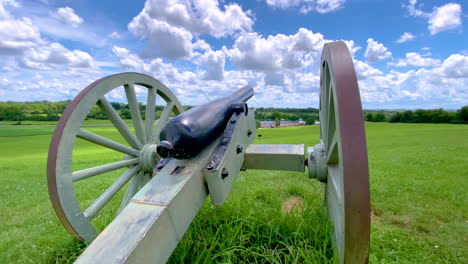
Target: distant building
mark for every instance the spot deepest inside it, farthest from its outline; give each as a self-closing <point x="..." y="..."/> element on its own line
<point x="317" y="123"/>
<point x="283" y="123"/>
<point x="267" y="124"/>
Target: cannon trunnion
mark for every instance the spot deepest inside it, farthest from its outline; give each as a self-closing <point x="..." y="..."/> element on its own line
<point x="170" y="165"/>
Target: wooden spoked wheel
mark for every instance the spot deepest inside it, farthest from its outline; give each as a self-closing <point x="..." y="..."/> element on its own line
<point x="343" y="143"/>
<point x="139" y="153"/>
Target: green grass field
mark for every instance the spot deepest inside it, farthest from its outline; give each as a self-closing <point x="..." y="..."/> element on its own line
<point x="418" y="190"/>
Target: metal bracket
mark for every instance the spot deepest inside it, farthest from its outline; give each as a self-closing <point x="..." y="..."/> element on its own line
<point x="228" y="157"/>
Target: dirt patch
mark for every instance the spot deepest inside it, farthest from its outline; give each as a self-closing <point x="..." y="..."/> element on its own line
<point x="294" y="202"/>
<point x="375" y="212"/>
<point x="401" y="221"/>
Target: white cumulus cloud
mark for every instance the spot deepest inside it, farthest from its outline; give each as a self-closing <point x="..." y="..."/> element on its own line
<point x="455" y="66"/>
<point x="275" y="53"/>
<point x="170" y="25"/>
<point x="306" y="6"/>
<point x="445" y="82"/>
<point x="445" y="18"/>
<point x="68" y="16"/>
<point x="405" y="37"/>
<point x="376" y="51"/>
<point x="53" y="56"/>
<point x="442" y="18"/>
<point x="416" y="60"/>
<point x="4" y="14"/>
<point x="171" y="42"/>
<point x="114" y="35"/>
<point x="214" y="62"/>
<point x="364" y="70"/>
<point x="17" y="35"/>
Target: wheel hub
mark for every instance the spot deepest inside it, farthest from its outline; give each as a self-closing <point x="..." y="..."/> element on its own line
<point x="148" y="157"/>
<point x="317" y="162"/>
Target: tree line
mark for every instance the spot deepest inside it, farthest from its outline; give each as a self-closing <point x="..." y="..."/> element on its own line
<point x="309" y="115"/>
<point x="419" y="116"/>
<point x="52" y="111"/>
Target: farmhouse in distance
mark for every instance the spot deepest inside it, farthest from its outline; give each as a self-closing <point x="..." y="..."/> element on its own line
<point x="282" y="123"/>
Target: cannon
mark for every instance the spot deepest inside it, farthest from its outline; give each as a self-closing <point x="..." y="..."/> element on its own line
<point x="172" y="164"/>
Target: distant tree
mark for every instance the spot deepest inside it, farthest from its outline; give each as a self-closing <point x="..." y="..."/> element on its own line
<point x="11" y="113"/>
<point x="125" y="114"/>
<point x="116" y="106"/>
<point x="462" y="114"/>
<point x="275" y="115"/>
<point x="379" y="117"/>
<point x="96" y="113"/>
<point x="408" y="117"/>
<point x="309" y="120"/>
<point x="369" y="117"/>
<point x="277" y="122"/>
<point x="260" y="115"/>
<point x="395" y="118"/>
<point x="293" y="117"/>
<point x="423" y="116"/>
<point x="52" y="113"/>
<point x="257" y="123"/>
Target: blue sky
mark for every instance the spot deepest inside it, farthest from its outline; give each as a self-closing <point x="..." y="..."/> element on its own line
<point x="408" y="54"/>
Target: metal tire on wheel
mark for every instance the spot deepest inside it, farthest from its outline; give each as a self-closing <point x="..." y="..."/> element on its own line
<point x="346" y="170"/>
<point x="140" y="154"/>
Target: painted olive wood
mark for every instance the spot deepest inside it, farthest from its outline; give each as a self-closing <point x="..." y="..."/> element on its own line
<point x="149" y="228"/>
<point x="275" y="157"/>
<point x="343" y="136"/>
<point x="59" y="167"/>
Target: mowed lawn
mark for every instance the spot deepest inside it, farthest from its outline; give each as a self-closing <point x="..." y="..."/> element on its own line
<point x="419" y="183"/>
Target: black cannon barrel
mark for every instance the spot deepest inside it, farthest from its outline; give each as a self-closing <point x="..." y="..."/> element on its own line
<point x="187" y="134"/>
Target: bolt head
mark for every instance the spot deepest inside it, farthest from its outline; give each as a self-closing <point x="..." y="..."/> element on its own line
<point x="239" y="149"/>
<point x="224" y="173"/>
<point x="249" y="132"/>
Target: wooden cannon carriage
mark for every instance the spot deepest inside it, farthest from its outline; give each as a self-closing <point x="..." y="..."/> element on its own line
<point x="172" y="165"/>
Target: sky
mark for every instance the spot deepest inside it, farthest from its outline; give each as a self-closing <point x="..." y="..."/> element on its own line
<point x="408" y="54"/>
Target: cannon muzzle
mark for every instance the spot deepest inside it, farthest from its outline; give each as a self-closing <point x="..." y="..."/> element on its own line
<point x="187" y="134"/>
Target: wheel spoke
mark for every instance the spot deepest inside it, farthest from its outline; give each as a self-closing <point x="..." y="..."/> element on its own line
<point x="119" y="123"/>
<point x="90" y="172"/>
<point x="324" y="102"/>
<point x="162" y="120"/>
<point x="332" y="151"/>
<point x="146" y="179"/>
<point x="149" y="119"/>
<point x="91" y="137"/>
<point x="331" y="120"/>
<point x="335" y="180"/>
<point x="132" y="189"/>
<point x="135" y="112"/>
<point x="100" y="202"/>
